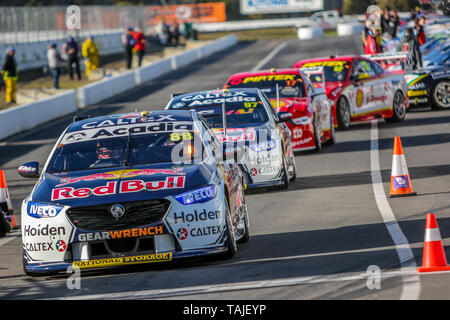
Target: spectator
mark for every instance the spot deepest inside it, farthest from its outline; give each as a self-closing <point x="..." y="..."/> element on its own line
<point x="175" y="33"/>
<point x="54" y="62"/>
<point x="412" y="46"/>
<point x="161" y="31"/>
<point x="420" y="33"/>
<point x="9" y="71"/>
<point x="72" y="49"/>
<point x="372" y="46"/>
<point x="385" y="19"/>
<point x="140" y="45"/>
<point x="128" y="43"/>
<point x="394" y="23"/>
<point x="91" y="54"/>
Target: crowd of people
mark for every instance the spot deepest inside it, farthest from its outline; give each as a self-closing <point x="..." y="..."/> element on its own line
<point x="388" y="26"/>
<point x="134" y="41"/>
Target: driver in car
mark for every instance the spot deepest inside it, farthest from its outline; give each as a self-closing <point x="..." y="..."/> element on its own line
<point x="108" y="155"/>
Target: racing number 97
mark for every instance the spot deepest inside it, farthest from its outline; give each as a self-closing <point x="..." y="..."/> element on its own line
<point x="175" y="136"/>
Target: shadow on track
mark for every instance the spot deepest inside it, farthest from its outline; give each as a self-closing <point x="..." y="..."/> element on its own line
<point x="265" y="257"/>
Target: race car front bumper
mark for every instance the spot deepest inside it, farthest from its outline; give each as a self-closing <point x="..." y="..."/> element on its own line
<point x="45" y="268"/>
<point x="418" y="98"/>
<point x="185" y="230"/>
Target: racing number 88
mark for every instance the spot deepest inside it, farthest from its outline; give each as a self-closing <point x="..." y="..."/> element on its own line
<point x="175" y="136"/>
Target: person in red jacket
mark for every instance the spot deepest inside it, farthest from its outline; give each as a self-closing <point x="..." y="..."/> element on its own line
<point x="372" y="46"/>
<point x="140" y="45"/>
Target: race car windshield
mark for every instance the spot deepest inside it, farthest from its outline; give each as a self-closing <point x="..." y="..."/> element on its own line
<point x="238" y="113"/>
<point x="130" y="150"/>
<point x="252" y="113"/>
<point x="289" y="85"/>
<point x="335" y="70"/>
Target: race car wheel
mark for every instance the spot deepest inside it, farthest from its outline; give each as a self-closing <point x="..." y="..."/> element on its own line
<point x="231" y="237"/>
<point x="332" y="140"/>
<point x="294" y="175"/>
<point x="343" y="113"/>
<point x="246" y="227"/>
<point x="285" y="184"/>
<point x="398" y="108"/>
<point x="440" y="95"/>
<point x="317" y="142"/>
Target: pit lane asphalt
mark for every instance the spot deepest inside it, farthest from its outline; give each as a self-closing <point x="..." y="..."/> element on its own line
<point x="322" y="233"/>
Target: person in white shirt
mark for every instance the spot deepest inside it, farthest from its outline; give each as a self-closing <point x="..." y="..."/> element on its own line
<point x="54" y="63"/>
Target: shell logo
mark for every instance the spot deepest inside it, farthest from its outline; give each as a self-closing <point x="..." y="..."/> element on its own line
<point x="359" y="98"/>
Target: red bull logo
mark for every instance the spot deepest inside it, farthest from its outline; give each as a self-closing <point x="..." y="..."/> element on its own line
<point x="112" y="187"/>
<point x="121" y="174"/>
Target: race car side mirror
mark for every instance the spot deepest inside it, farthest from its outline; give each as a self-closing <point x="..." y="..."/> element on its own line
<point x="284" y="116"/>
<point x="29" y="170"/>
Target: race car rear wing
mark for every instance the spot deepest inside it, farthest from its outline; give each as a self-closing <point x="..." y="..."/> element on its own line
<point x="391" y="61"/>
<point x="386" y="56"/>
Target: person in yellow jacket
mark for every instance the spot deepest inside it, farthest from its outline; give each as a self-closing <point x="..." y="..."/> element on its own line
<point x="9" y="72"/>
<point x="90" y="53"/>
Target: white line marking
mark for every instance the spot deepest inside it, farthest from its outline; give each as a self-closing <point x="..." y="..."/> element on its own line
<point x="10" y="236"/>
<point x="161" y="293"/>
<point x="411" y="290"/>
<point x="269" y="57"/>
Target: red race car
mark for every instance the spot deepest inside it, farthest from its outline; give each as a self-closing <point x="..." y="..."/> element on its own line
<point x="361" y="89"/>
<point x="291" y="90"/>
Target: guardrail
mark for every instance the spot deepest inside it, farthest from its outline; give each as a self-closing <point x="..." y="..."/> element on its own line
<point x="28" y="116"/>
<point x="98" y="91"/>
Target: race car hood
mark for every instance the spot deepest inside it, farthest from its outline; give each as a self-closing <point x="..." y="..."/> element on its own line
<point x="121" y="184"/>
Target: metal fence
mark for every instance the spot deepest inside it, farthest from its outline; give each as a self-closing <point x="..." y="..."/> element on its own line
<point x="28" y="24"/>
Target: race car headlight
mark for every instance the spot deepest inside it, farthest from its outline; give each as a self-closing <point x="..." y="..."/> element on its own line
<point x="197" y="196"/>
<point x="42" y="210"/>
<point x="263" y="146"/>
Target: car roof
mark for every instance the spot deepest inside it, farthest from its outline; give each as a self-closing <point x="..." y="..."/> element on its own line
<point x="333" y="58"/>
<point x="205" y="92"/>
<point x="265" y="72"/>
<point x="175" y="115"/>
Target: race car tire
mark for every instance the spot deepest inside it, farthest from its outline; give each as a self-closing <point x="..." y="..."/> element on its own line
<point x="440" y="101"/>
<point x="398" y="108"/>
<point x="317" y="142"/>
<point x="294" y="176"/>
<point x="246" y="235"/>
<point x="231" y="237"/>
<point x="343" y="113"/>
<point x="285" y="184"/>
<point x="4" y="225"/>
<point x="332" y="140"/>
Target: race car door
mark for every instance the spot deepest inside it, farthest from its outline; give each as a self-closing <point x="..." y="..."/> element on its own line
<point x="369" y="93"/>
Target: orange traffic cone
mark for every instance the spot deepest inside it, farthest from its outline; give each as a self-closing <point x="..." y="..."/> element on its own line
<point x="5" y="201"/>
<point x="400" y="182"/>
<point x="433" y="251"/>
